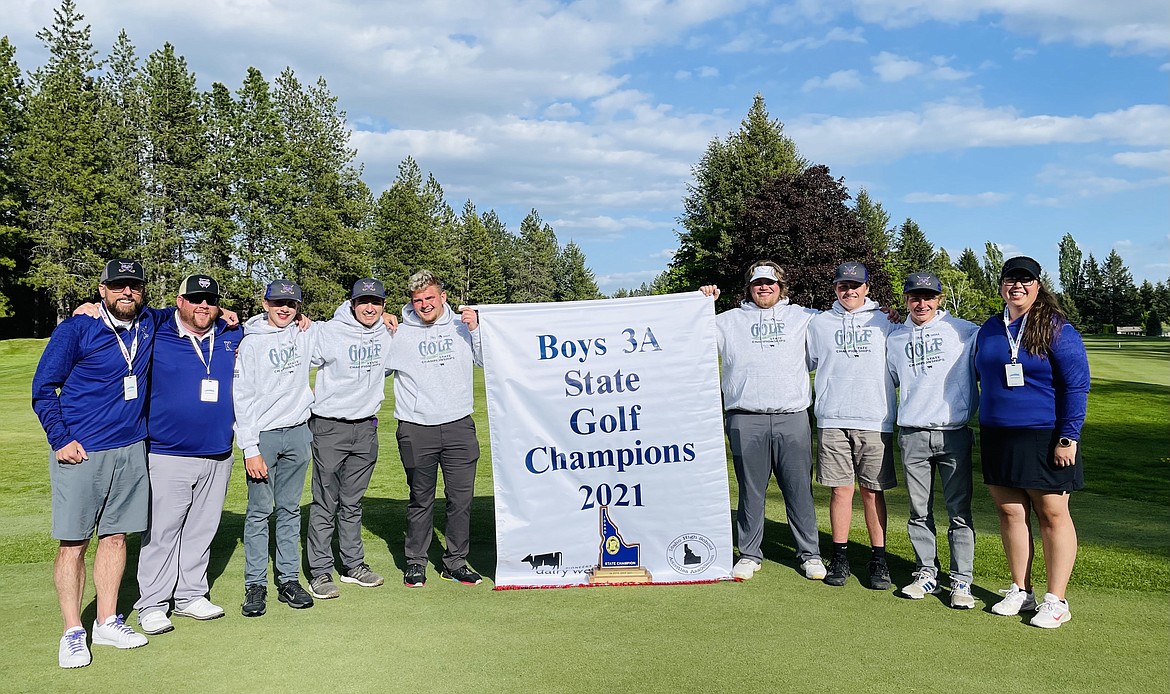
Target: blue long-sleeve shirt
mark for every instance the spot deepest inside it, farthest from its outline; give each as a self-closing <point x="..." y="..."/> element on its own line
<point x="1055" y="391"/>
<point x="77" y="389"/>
<point x="179" y="422"/>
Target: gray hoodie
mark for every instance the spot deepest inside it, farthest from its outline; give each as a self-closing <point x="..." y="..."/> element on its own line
<point x="848" y="350"/>
<point x="433" y="364"/>
<point x="934" y="365"/>
<point x="765" y="363"/>
<point x="271" y="385"/>
<point x="351" y="378"/>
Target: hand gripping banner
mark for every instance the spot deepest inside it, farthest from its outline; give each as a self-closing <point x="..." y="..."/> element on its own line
<point x="607" y="442"/>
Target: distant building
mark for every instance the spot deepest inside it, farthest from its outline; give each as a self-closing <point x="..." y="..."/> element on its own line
<point x="1131" y="330"/>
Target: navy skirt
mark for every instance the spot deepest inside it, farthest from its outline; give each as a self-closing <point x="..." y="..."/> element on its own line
<point x="1022" y="458"/>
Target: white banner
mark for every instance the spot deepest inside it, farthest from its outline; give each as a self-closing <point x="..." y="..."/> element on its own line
<point x="607" y="442"/>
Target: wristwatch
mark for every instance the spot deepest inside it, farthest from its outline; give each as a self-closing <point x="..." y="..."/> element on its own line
<point x="1065" y="442"/>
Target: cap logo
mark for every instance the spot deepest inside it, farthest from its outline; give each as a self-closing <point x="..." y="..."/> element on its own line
<point x="204" y="282"/>
<point x="368" y="286"/>
<point x="922" y="281"/>
<point x="851" y="271"/>
<point x="126" y="267"/>
<point x="286" y="288"/>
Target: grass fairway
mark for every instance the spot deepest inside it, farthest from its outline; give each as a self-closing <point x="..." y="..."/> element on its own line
<point x="777" y="632"/>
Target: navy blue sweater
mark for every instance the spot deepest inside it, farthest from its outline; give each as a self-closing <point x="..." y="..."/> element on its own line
<point x="179" y="422"/>
<point x="1055" y="391"/>
<point x="83" y="362"/>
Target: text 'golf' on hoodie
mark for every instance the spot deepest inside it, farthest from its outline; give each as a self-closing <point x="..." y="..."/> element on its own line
<point x="933" y="365"/>
<point x="853" y="385"/>
<point x="432" y="365"/>
<point x="271" y="384"/>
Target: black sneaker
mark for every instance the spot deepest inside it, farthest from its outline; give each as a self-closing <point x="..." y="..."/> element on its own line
<point x="879" y="574"/>
<point x="255" y="600"/>
<point x="294" y="595"/>
<point x="463" y="575"/>
<point x="838" y="571"/>
<point x="415" y="576"/>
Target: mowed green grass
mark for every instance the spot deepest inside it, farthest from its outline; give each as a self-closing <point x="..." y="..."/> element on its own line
<point x="776" y="632"/>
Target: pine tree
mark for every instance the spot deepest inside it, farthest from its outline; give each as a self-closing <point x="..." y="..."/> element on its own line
<point x="912" y="252"/>
<point x="729" y="173"/>
<point x="174" y="158"/>
<point x="62" y="157"/>
<point x="1091" y="306"/>
<point x="412" y="228"/>
<point x="1119" y="296"/>
<point x="212" y="205"/>
<point x="877" y="226"/>
<point x="575" y="281"/>
<point x="14" y="246"/>
<point x="504" y="245"/>
<point x="536" y="258"/>
<point x="479" y="277"/>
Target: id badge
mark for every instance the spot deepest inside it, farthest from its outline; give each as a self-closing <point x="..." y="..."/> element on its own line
<point x="130" y="387"/>
<point x="1015" y="374"/>
<point x="209" y="390"/>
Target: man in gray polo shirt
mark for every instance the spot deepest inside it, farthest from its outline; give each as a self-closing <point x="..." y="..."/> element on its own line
<point x="931" y="359"/>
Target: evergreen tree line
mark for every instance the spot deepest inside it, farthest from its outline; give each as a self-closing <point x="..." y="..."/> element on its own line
<point x="118" y="157"/>
<point x="754" y="197"/>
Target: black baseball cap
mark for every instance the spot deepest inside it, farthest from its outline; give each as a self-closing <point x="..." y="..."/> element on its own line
<point x="121" y="269"/>
<point x="1019" y="265"/>
<point x="282" y="289"/>
<point x="368" y="287"/>
<point x="199" y="284"/>
<point x="921" y="281"/>
<point x="851" y="272"/>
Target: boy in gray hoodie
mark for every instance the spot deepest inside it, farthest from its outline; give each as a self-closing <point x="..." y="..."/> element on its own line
<point x="855" y="417"/>
<point x="352" y="352"/>
<point x="432" y="354"/>
<point x="932" y="360"/>
<point x="272" y="400"/>
<point x="766" y="395"/>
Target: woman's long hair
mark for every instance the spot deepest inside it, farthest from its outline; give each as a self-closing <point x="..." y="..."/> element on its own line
<point x="1045" y="319"/>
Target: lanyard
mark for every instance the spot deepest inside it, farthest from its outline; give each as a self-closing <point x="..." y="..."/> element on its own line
<point x="210" y="348"/>
<point x="1014" y="342"/>
<point x="127" y="354"/>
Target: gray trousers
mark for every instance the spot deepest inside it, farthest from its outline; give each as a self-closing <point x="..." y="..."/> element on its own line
<point x="763" y="445"/>
<point x="424" y="449"/>
<point x="286" y="452"/>
<point x="344" y="454"/>
<point x="186" y="502"/>
<point x="923" y="450"/>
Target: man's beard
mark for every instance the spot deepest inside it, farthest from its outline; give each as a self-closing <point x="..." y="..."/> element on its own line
<point x="120" y="311"/>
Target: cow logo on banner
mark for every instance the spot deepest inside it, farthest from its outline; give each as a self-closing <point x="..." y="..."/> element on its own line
<point x="607" y="442"/>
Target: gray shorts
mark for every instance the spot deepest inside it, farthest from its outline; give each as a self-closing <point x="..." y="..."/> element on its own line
<point x="108" y="492"/>
<point x="844" y="453"/>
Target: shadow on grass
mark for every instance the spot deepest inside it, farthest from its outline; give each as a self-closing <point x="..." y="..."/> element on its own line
<point x="386" y="518"/>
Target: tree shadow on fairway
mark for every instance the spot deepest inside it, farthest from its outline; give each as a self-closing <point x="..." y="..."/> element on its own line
<point x="386" y="518"/>
<point x="778" y="546"/>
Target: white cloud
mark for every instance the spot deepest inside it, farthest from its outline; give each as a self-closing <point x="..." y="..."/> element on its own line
<point x="988" y="199"/>
<point x="708" y="71"/>
<point x="944" y="126"/>
<point x="1159" y="160"/>
<point x="1024" y="53"/>
<point x="1131" y="25"/>
<point x="561" y="109"/>
<point x="625" y="280"/>
<point x="1078" y="183"/>
<point x="834" y="35"/>
<point x="894" y="68"/>
<point x="682" y="75"/>
<point x="842" y="79"/>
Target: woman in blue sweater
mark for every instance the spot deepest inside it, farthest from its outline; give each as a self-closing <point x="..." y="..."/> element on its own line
<point x="1034" y="386"/>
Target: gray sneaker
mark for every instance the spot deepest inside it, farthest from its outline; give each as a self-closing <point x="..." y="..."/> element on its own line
<point x="323" y="588"/>
<point x="925" y="583"/>
<point x="361" y="575"/>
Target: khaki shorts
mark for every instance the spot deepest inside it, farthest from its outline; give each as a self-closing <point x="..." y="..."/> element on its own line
<point x="845" y="453"/>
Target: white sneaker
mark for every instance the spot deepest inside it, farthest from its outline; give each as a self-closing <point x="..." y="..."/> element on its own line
<point x="116" y="632"/>
<point x="73" y="652"/>
<point x="1015" y="601"/>
<point x="745" y="568"/>
<point x="199" y="608"/>
<point x="155" y="622"/>
<point x="961" y="598"/>
<point x="814" y="569"/>
<point x="924" y="583"/>
<point x="1051" y="613"/>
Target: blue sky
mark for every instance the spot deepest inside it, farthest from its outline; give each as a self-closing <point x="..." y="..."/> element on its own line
<point x="1011" y="121"/>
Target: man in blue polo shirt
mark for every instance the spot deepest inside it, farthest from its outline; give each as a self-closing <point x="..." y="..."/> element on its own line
<point x="88" y="392"/>
<point x="189" y="435"/>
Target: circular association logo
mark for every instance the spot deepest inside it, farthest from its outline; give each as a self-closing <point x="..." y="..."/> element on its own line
<point x="691" y="553"/>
